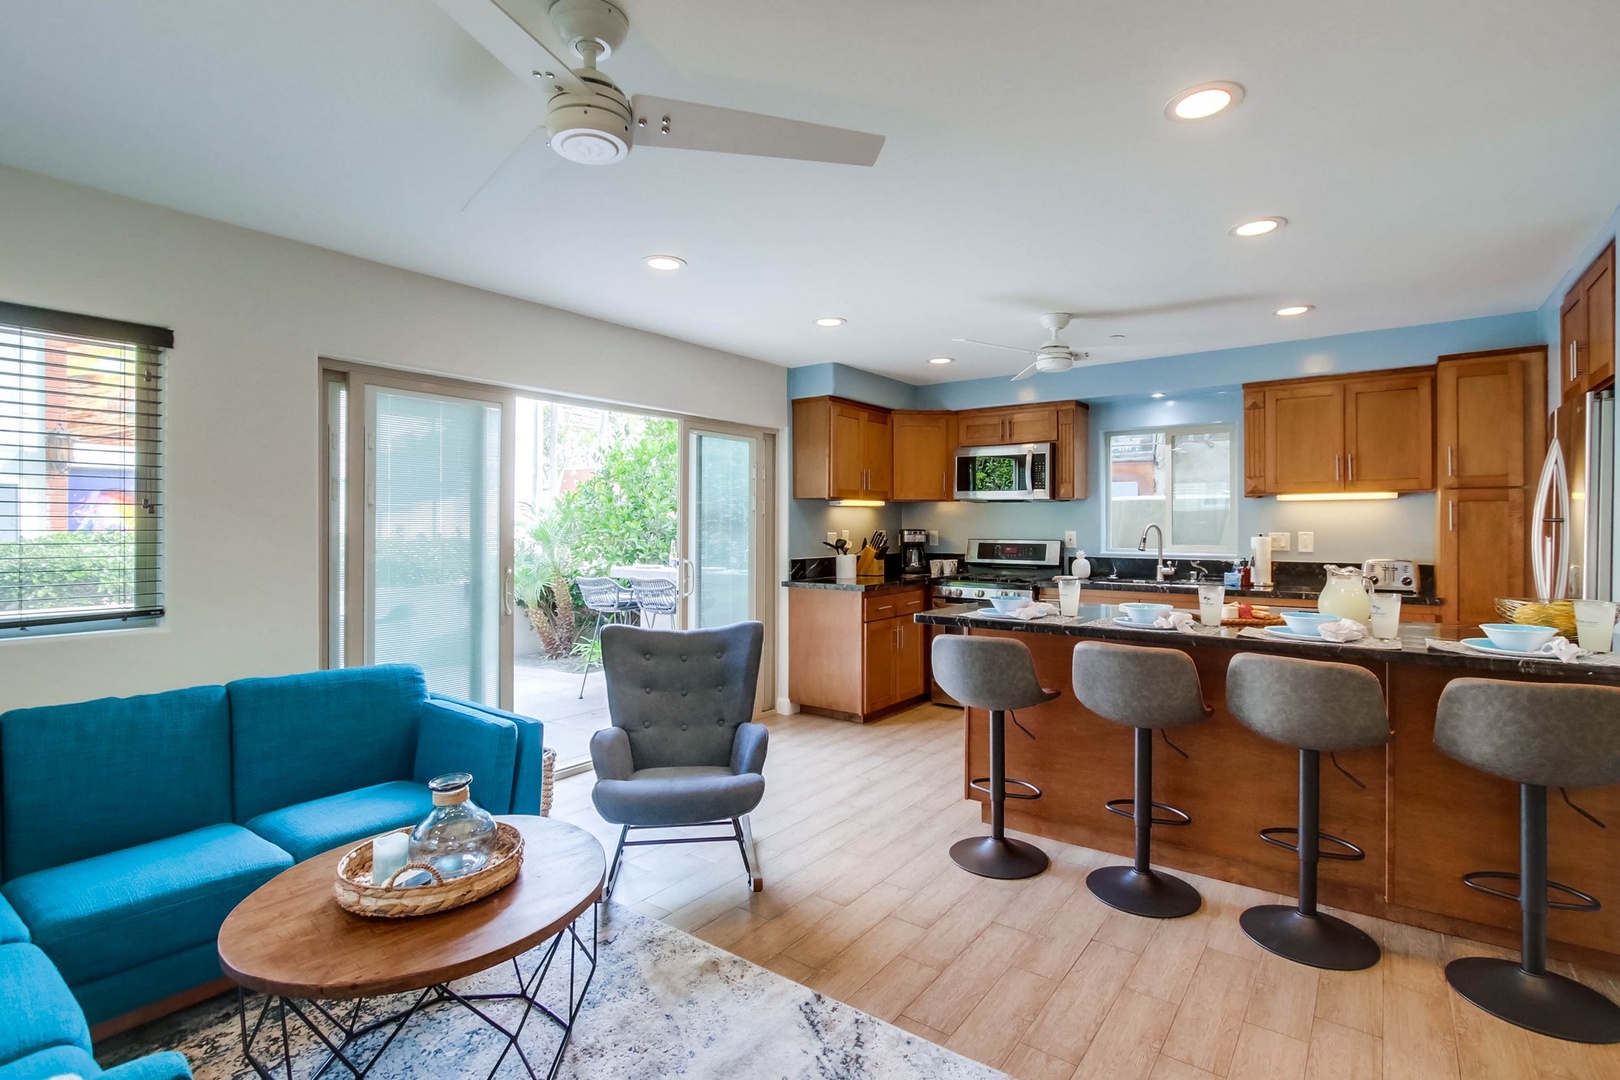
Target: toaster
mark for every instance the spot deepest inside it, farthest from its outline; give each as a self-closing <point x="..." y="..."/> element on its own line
<point x="1391" y="575"/>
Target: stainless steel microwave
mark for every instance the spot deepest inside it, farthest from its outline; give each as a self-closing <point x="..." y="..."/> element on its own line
<point x="1005" y="473"/>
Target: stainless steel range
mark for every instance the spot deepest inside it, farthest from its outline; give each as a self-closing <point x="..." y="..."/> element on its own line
<point x="994" y="568"/>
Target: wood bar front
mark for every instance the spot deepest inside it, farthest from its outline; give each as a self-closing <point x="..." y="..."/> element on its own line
<point x="1424" y="819"/>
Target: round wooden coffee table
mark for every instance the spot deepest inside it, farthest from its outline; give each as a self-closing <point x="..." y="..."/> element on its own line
<point x="291" y="942"/>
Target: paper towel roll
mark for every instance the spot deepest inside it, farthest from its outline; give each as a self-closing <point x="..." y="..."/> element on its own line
<point x="1260" y="548"/>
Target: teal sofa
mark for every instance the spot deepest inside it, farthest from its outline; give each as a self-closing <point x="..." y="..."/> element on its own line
<point x="130" y="827"/>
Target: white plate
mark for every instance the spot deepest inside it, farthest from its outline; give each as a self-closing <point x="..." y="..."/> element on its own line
<point x="1290" y="634"/>
<point x="1124" y="620"/>
<point x="1490" y="648"/>
<point x="992" y="613"/>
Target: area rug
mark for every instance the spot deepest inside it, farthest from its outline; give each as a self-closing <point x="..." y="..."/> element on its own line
<point x="662" y="1004"/>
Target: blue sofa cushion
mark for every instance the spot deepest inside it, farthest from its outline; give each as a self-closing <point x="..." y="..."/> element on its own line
<point x="527" y="767"/>
<point x="82" y="780"/>
<point x="304" y="737"/>
<point x="57" y="1061"/>
<point x="36" y="1009"/>
<point x="111" y="912"/>
<point x="11" y="927"/>
<point x="459" y="737"/>
<point x="319" y="825"/>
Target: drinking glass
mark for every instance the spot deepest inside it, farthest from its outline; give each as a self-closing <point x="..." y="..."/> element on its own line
<point x="1210" y="599"/>
<point x="1068" y="595"/>
<point x="1594" y="625"/>
<point x="1385" y="619"/>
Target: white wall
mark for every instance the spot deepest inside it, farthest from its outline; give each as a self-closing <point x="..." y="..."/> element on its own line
<point x="252" y="314"/>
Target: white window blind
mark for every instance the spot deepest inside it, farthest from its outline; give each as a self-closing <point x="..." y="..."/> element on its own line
<point x="81" y="468"/>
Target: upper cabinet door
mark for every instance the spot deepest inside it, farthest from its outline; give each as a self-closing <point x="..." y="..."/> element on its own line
<point x="1389" y="433"/>
<point x="1037" y="424"/>
<point x="1598" y="291"/>
<point x="1573" y="351"/>
<point x="1305" y="438"/>
<point x="1480" y="409"/>
<point x="981" y="427"/>
<point x="846" y="467"/>
<point x="1254" y="442"/>
<point x="922" y="456"/>
<point x="877" y="454"/>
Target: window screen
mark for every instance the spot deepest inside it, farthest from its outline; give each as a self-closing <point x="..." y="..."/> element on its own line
<point x="81" y="468"/>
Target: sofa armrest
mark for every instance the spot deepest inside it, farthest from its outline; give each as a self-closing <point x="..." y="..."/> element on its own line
<point x="527" y="770"/>
<point x="12" y="929"/>
<point x="748" y="748"/>
<point x="456" y="737"/>
<point x="168" y="1065"/>
<point x="610" y="754"/>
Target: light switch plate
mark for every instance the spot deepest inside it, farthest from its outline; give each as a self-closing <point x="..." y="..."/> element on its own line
<point x="832" y="538"/>
<point x="1279" y="541"/>
<point x="1307" y="541"/>
<point x="1071" y="538"/>
<point x="933" y="538"/>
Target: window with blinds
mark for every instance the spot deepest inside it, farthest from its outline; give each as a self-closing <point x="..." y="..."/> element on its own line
<point x="81" y="469"/>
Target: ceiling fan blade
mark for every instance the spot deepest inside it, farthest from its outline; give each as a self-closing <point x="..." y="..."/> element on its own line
<point x="1027" y="372"/>
<point x="537" y="161"/>
<point x="733" y="131"/>
<point x="490" y="24"/>
<point x="991" y="344"/>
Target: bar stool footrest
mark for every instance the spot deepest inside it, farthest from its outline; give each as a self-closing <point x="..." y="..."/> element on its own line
<point x="1351" y="854"/>
<point x="1126" y="808"/>
<point x="1583" y="902"/>
<point x="982" y="783"/>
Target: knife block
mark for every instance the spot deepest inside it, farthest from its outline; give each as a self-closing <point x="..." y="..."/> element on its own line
<point x="868" y="563"/>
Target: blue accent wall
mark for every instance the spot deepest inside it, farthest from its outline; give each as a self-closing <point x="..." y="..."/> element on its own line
<point x="1200" y="388"/>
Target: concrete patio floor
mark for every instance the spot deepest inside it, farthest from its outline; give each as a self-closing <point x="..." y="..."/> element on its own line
<point x="549" y="692"/>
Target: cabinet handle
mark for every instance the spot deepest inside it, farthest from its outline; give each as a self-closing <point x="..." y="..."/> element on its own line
<point x="1451" y="515"/>
<point x="1350" y="468"/>
<point x="1574" y="360"/>
<point x="1451" y="461"/>
<point x="1336" y="464"/>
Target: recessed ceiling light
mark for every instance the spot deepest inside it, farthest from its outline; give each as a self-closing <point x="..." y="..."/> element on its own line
<point x="830" y="320"/>
<point x="1203" y="101"/>
<point x="664" y="262"/>
<point x="1295" y="309"/>
<point x="1116" y="337"/>
<point x="1158" y="395"/>
<point x="1259" y="226"/>
<point x="941" y="359"/>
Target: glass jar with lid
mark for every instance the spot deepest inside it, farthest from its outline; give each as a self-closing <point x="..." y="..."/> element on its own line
<point x="458" y="838"/>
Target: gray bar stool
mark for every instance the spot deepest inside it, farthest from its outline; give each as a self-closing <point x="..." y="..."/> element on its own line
<point x="1149" y="690"/>
<point x="1317" y="707"/>
<point x="1538" y="735"/>
<point x="998" y="675"/>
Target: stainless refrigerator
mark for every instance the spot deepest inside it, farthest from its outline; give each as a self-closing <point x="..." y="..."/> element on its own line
<point x="1572" y="531"/>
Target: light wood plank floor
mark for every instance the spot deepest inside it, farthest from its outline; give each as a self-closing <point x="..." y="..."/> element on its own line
<point x="1036" y="977"/>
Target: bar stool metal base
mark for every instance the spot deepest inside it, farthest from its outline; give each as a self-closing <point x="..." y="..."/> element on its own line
<point x="1003" y="857"/>
<point x="1549" y="1004"/>
<point x="1319" y="940"/>
<point x="1146" y="893"/>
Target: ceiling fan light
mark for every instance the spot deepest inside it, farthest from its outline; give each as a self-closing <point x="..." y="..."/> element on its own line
<point x="1259" y="226"/>
<point x="1203" y="101"/>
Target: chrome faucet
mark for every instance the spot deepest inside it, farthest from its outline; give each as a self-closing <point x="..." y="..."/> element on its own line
<point x="1161" y="569"/>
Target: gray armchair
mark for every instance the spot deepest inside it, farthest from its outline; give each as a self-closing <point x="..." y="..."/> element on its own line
<point x="683" y="749"/>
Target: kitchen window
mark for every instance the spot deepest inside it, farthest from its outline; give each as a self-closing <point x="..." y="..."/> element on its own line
<point x="1180" y="479"/>
<point x="81" y="470"/>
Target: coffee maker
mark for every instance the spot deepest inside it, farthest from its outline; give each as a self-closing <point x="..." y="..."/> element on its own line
<point x="913" y="551"/>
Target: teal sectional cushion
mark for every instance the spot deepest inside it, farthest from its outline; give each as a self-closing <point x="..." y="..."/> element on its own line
<point x="108" y="913"/>
<point x="36" y="1010"/>
<point x="303" y="737"/>
<point x="11" y="927"/>
<point x="58" y="1061"/>
<point x="82" y="780"/>
<point x="319" y="825"/>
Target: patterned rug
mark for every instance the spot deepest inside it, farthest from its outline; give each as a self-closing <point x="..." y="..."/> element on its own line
<point x="662" y="1004"/>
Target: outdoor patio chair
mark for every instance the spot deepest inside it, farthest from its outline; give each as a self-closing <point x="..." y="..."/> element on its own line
<point x="655" y="597"/>
<point x="683" y="749"/>
<point x="611" y="602"/>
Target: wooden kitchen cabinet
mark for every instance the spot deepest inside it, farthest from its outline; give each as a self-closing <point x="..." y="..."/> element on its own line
<point x="841" y="450"/>
<point x="1367" y="432"/>
<point x="923" y="446"/>
<point x="1586" y="325"/>
<point x="855" y="655"/>
<point x="1004" y="426"/>
<point x="982" y="427"/>
<point x="1481" y="554"/>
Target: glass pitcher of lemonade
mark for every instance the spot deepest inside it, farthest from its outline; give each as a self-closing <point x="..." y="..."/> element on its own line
<point x="1345" y="594"/>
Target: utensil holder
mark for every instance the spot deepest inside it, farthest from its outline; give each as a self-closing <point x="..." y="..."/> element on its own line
<point x="844" y="566"/>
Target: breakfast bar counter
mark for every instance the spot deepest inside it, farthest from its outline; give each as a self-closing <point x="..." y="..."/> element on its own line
<point x="1424" y="819"/>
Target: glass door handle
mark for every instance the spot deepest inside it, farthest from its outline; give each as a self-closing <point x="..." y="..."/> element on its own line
<point x="509" y="594"/>
<point x="689" y="576"/>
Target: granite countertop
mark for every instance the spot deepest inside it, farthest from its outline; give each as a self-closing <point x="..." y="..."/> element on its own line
<point x="1281" y="592"/>
<point x="1413" y="638"/>
<point x="861" y="584"/>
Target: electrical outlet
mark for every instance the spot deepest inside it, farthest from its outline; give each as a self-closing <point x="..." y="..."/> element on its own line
<point x="933" y="538"/>
<point x="1071" y="538"/>
<point x="832" y="538"/>
<point x="1307" y="541"/>
<point x="1279" y="541"/>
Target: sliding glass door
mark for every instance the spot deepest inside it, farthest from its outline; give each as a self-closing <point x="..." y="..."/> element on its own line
<point x="424" y="528"/>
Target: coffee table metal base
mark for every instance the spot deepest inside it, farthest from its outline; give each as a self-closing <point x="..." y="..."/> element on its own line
<point x="341" y="1034"/>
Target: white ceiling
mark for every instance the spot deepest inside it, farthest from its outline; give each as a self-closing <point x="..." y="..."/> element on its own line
<point x="1437" y="160"/>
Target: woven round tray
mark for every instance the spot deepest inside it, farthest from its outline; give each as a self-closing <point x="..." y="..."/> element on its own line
<point x="1258" y="620"/>
<point x="356" y="892"/>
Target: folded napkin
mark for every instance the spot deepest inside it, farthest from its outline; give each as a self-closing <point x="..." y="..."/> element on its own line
<point x="1030" y="611"/>
<point x="1176" y="620"/>
<point x="1342" y="630"/>
<point x="1561" y="649"/>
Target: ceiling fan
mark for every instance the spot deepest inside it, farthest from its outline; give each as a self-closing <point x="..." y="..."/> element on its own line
<point x="592" y="122"/>
<point x="1052" y="357"/>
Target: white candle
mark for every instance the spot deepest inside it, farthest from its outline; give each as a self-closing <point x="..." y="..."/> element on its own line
<point x="389" y="852"/>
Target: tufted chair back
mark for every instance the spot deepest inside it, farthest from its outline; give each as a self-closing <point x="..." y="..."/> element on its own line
<point x="680" y="694"/>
